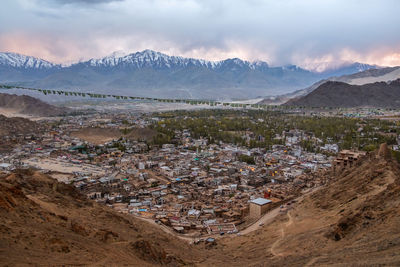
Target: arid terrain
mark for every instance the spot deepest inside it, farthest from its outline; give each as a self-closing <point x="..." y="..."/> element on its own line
<point x="48" y="223"/>
<point x="22" y="126"/>
<point x="352" y="221"/>
<point x="98" y="135"/>
<point x="17" y="125"/>
<point x="28" y="106"/>
<point x="340" y="94"/>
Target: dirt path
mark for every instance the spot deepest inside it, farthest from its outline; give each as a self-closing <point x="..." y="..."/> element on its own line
<point x="276" y="243"/>
<point x="312" y="261"/>
<point x="167" y="229"/>
<point x="263" y="220"/>
<point x="289" y="222"/>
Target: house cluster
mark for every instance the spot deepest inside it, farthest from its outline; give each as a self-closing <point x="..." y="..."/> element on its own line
<point x="198" y="191"/>
<point x="189" y="185"/>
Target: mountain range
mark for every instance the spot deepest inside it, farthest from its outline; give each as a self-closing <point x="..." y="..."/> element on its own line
<point x="151" y="73"/>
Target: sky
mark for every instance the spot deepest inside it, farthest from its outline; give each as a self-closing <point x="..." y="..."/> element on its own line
<point x="314" y="34"/>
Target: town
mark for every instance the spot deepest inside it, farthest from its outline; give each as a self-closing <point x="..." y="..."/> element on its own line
<point x="174" y="169"/>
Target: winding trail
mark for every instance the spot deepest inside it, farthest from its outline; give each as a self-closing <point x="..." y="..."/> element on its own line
<point x="312" y="261"/>
<point x="288" y="223"/>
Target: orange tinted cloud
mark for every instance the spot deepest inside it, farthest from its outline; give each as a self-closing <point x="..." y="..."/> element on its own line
<point x="380" y="57"/>
<point x="66" y="50"/>
<point x="52" y="48"/>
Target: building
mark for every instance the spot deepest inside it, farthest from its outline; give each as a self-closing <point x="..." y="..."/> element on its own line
<point x="219" y="228"/>
<point x="347" y="158"/>
<point x="258" y="207"/>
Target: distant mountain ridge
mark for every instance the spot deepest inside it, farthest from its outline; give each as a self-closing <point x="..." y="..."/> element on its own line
<point x="151" y="73"/>
<point x="340" y="94"/>
<point x="149" y="58"/>
<point x="27" y="62"/>
<point x="368" y="76"/>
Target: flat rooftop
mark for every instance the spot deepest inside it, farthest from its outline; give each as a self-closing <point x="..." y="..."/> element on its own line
<point x="260" y="201"/>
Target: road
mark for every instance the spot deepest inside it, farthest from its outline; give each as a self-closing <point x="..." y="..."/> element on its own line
<point x="266" y="218"/>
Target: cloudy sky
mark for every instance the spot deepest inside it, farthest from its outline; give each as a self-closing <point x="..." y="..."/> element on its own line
<point x="311" y="33"/>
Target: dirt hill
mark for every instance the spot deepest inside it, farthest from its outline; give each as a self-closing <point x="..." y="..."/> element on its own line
<point x="27" y="105"/>
<point x="352" y="221"/>
<point x="340" y="94"/>
<point x="13" y="126"/>
<point x="46" y="223"/>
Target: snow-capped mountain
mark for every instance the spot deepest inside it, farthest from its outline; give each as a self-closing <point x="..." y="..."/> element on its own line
<point x="27" y="62"/>
<point x="150" y="58"/>
<point x="146" y="58"/>
<point x="151" y="73"/>
<point x="349" y="68"/>
<point x="363" y="67"/>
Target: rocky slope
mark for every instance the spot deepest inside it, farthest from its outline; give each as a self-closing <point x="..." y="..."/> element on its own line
<point x="27" y="105"/>
<point x="339" y="94"/>
<point x="353" y="221"/>
<point x="46" y="223"/>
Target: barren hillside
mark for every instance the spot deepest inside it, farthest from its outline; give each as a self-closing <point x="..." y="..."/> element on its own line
<point x="11" y="126"/>
<point x="96" y="135"/>
<point x="339" y="94"/>
<point x="354" y="221"/>
<point x="27" y="105"/>
<point x="16" y="126"/>
<point x="46" y="223"/>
